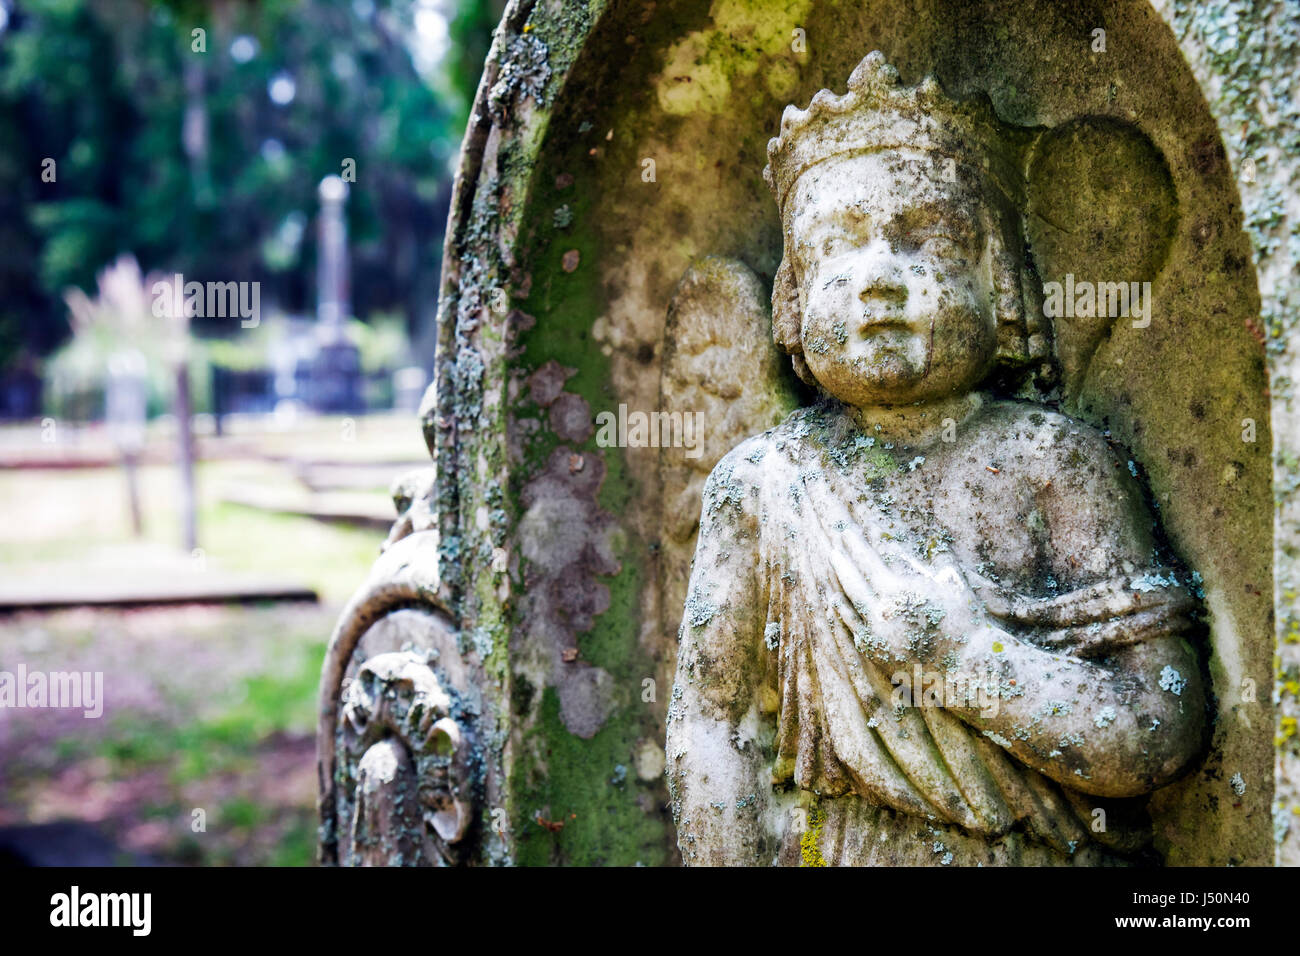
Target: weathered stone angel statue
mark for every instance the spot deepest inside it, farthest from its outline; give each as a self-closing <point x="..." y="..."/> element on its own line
<point x="924" y="623"/>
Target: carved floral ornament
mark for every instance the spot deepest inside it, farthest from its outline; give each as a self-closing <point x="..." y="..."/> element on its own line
<point x="931" y="619"/>
<point x="401" y="769"/>
<point x="402" y="746"/>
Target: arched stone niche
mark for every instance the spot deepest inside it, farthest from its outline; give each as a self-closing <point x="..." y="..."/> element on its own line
<point x="614" y="143"/>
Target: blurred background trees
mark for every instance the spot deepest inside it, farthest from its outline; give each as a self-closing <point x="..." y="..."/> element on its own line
<point x="200" y="152"/>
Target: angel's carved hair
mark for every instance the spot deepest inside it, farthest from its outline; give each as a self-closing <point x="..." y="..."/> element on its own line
<point x="879" y="113"/>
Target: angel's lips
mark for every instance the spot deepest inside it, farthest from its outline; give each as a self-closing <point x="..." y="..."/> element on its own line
<point x="885" y="338"/>
<point x="871" y="322"/>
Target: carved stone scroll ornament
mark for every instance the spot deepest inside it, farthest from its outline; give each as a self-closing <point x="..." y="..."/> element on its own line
<point x="400" y="762"/>
<point x="402" y="779"/>
<point x="930" y="618"/>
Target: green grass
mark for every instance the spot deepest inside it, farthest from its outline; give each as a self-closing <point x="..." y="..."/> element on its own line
<point x="226" y="740"/>
<point x="332" y="558"/>
<point x="84" y="514"/>
<point x="297" y="846"/>
<point x="225" y="753"/>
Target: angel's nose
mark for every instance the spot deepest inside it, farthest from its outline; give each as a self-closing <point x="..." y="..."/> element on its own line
<point x="883" y="286"/>
<point x="883" y="289"/>
<point x="880" y="276"/>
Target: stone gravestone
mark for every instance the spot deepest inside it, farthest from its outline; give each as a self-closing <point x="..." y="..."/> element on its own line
<point x="986" y="569"/>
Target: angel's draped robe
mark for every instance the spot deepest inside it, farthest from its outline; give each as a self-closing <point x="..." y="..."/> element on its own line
<point x="911" y="784"/>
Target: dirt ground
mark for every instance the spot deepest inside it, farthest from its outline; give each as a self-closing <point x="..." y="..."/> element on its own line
<point x="205" y="752"/>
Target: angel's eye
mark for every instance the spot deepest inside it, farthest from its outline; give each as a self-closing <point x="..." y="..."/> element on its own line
<point x="832" y="245"/>
<point x="941" y="245"/>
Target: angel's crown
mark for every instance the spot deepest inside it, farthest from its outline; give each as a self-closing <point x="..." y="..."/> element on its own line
<point x="877" y="113"/>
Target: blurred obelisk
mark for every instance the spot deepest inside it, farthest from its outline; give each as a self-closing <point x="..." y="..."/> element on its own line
<point x="337" y="373"/>
<point x="332" y="255"/>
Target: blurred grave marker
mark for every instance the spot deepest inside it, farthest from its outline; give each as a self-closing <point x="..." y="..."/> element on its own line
<point x="125" y="401"/>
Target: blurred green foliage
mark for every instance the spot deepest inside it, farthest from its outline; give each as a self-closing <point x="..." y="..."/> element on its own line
<point x="204" y="157"/>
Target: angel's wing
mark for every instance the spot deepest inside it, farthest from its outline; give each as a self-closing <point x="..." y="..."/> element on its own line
<point x="720" y="363"/>
<point x="1102" y="209"/>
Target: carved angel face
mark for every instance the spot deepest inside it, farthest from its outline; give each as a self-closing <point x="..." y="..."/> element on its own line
<point x="894" y="271"/>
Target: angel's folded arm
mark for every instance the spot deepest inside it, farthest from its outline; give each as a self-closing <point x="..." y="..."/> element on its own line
<point x="1093" y="621"/>
<point x="1119" y="724"/>
<point x="1108" y="695"/>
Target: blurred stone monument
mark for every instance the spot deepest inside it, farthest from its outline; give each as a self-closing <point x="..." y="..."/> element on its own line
<point x="513" y="660"/>
<point x="126" y="398"/>
<point x="333" y="382"/>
